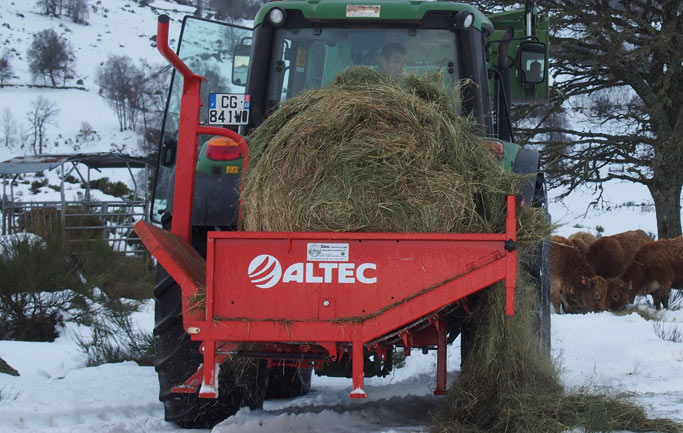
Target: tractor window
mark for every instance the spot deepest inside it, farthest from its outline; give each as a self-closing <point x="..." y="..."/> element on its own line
<point x="305" y="60"/>
<point x="208" y="48"/>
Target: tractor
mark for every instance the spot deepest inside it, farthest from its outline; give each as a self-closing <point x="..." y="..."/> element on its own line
<point x="231" y="330"/>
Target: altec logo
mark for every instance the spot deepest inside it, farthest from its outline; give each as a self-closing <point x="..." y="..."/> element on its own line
<point x="265" y="271"/>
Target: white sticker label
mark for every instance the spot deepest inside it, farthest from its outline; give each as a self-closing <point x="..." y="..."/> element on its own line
<point x="363" y="11"/>
<point x="327" y="253"/>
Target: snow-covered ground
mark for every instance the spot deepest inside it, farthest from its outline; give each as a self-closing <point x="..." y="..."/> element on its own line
<point x="56" y="393"/>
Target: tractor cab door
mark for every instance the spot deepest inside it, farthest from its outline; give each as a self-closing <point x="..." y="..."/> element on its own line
<point x="209" y="49"/>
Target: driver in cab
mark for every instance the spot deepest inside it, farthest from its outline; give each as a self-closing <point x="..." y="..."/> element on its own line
<point x="392" y="60"/>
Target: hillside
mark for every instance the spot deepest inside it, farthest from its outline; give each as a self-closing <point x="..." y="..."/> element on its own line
<point x="123" y="27"/>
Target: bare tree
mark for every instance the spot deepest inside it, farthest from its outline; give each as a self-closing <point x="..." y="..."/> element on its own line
<point x="120" y="83"/>
<point x="618" y="73"/>
<point x="619" y="67"/>
<point x="5" y="68"/>
<point x="43" y="113"/>
<point x="152" y="102"/>
<point x="51" y="7"/>
<point x="50" y="56"/>
<point x="77" y="10"/>
<point x="9" y="128"/>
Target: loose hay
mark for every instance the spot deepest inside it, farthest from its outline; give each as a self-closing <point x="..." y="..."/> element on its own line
<point x="508" y="385"/>
<point x="368" y="154"/>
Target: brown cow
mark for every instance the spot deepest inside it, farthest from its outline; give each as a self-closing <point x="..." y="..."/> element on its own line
<point x="610" y="255"/>
<point x="656" y="267"/>
<point x="567" y="269"/>
<point x="606" y="294"/>
<point x="582" y="241"/>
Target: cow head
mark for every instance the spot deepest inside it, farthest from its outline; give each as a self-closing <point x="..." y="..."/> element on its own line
<point x="620" y="293"/>
<point x="601" y="294"/>
<point x="595" y="293"/>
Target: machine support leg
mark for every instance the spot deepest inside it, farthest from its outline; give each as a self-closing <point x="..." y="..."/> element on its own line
<point x="209" y="388"/>
<point x="441" y="352"/>
<point x="357" y="370"/>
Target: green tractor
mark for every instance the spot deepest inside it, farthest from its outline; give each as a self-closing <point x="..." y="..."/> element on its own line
<point x="297" y="45"/>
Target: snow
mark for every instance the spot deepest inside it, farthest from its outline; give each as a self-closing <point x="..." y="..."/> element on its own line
<point x="57" y="393"/>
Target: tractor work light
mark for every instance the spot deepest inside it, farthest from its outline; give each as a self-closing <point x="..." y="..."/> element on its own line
<point x="464" y="20"/>
<point x="223" y="149"/>
<point x="276" y="16"/>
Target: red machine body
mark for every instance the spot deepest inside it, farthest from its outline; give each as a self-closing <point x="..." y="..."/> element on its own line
<point x="306" y="299"/>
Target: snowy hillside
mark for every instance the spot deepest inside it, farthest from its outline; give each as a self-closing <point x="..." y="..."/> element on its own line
<point x="114" y="27"/>
<point x="122" y="27"/>
<point x="57" y="393"/>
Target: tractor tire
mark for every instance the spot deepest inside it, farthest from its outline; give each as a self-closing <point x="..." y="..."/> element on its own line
<point x="288" y="382"/>
<point x="539" y="268"/>
<point x="241" y="383"/>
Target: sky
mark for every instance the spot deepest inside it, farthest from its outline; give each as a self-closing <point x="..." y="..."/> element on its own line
<point x="57" y="393"/>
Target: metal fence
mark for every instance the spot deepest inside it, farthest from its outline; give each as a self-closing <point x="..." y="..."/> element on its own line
<point x="81" y="221"/>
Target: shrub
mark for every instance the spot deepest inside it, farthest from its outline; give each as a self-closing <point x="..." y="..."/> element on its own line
<point x="668" y="333"/>
<point x="116" y="189"/>
<point x="37" y="184"/>
<point x="38" y="286"/>
<point x="116" y="275"/>
<point x="115" y="339"/>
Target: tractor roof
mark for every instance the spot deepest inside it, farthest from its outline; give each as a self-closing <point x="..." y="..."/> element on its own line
<point x="354" y="10"/>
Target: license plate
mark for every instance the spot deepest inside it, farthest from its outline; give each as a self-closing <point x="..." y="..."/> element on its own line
<point x="228" y="109"/>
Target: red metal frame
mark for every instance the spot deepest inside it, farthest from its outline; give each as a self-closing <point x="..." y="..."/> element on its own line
<point x="189" y="130"/>
<point x="272" y="291"/>
<point x="413" y="275"/>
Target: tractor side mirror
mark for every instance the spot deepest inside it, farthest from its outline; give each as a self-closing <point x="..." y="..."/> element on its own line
<point x="532" y="62"/>
<point x="240" y="64"/>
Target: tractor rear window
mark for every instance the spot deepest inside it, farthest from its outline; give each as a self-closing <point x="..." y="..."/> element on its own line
<point x="305" y="60"/>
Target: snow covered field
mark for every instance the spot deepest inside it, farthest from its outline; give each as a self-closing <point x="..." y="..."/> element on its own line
<point x="56" y="393"/>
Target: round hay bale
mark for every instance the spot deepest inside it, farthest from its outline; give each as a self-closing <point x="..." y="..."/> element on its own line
<point x="371" y="154"/>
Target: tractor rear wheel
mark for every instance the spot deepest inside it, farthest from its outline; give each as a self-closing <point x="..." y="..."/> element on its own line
<point x="241" y="383"/>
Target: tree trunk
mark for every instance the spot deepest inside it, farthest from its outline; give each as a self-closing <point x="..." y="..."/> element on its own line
<point x="667" y="196"/>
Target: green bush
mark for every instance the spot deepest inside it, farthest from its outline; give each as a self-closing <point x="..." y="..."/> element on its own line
<point x="116" y="189"/>
<point x="116" y="275"/>
<point x="38" y="285"/>
<point x="45" y="280"/>
<point x="37" y="184"/>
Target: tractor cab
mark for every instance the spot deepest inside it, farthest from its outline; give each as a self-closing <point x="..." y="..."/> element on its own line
<point x="489" y="62"/>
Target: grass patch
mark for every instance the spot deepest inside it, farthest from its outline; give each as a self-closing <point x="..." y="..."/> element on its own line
<point x="116" y="339"/>
<point x="8" y="395"/>
<point x="676" y="300"/>
<point x="668" y="332"/>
